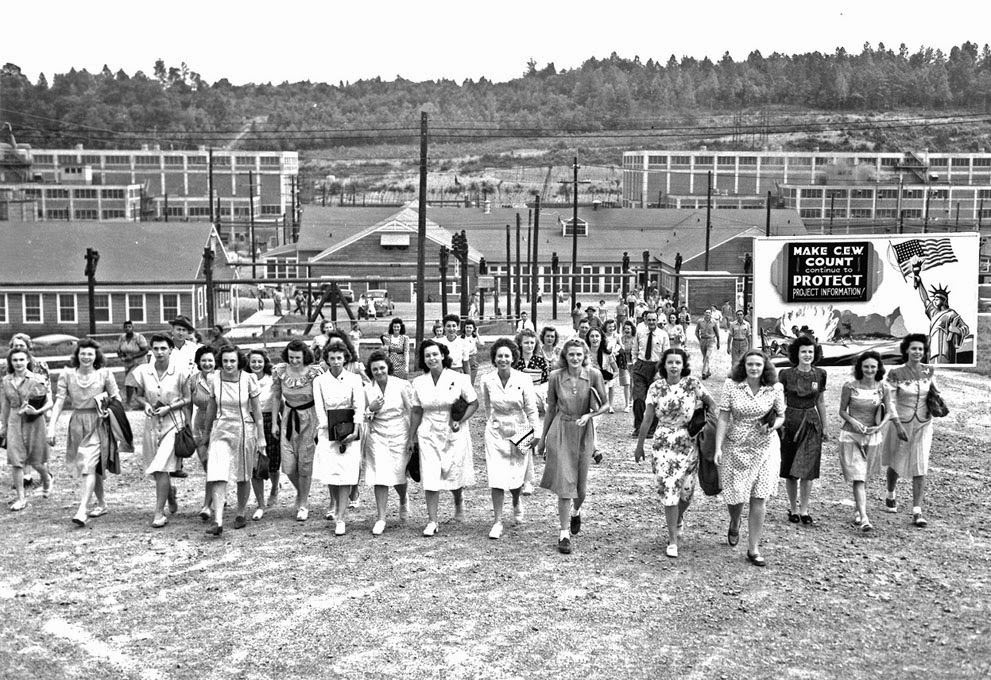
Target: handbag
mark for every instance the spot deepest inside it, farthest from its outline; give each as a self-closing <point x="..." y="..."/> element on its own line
<point x="185" y="443"/>
<point x="935" y="404"/>
<point x="413" y="465"/>
<point x="524" y="441"/>
<point x="607" y="375"/>
<point x="769" y="417"/>
<point x="880" y="414"/>
<point x="340" y="424"/>
<point x="459" y="408"/>
<point x="34" y="402"/>
<point x="697" y="422"/>
<point x="708" y="471"/>
<point x="621" y="362"/>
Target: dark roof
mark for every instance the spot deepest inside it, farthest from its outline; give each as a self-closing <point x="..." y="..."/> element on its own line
<point x="611" y="231"/>
<point x="145" y="251"/>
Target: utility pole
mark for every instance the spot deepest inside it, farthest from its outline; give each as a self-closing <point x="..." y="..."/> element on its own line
<point x="708" y="219"/>
<point x="767" y="226"/>
<point x="92" y="259"/>
<point x="509" y="275"/>
<point x="444" y="257"/>
<point x="421" y="234"/>
<point x="209" y="182"/>
<point x="167" y="208"/>
<point x="534" y="279"/>
<point x="251" y="223"/>
<point x="555" y="265"/>
<point x="574" y="238"/>
<point x="518" y="276"/>
<point x="208" y="256"/>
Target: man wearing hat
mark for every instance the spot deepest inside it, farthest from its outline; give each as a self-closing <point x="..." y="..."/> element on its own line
<point x="184" y="354"/>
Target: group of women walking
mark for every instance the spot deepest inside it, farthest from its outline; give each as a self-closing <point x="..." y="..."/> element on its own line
<point x="319" y="415"/>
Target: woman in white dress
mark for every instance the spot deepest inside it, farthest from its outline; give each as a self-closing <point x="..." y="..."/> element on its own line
<point x="268" y="465"/>
<point x="235" y="428"/>
<point x="162" y="390"/>
<point x="339" y="400"/>
<point x="511" y="429"/>
<point x="387" y="424"/>
<point x="445" y="446"/>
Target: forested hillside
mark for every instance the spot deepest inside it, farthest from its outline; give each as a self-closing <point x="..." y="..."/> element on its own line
<point x="175" y="106"/>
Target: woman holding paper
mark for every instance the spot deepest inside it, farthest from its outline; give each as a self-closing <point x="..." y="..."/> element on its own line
<point x="339" y="400"/>
<point x="510" y="404"/>
<point x="438" y="428"/>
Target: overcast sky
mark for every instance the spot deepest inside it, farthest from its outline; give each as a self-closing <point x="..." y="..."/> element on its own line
<point x="255" y="41"/>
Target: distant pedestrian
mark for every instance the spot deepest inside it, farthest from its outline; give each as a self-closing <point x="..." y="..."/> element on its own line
<point x="738" y="342"/>
<point x="132" y="350"/>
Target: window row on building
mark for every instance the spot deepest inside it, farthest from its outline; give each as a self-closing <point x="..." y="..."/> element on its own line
<point x="110" y="308"/>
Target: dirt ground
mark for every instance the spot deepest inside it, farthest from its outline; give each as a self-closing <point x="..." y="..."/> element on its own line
<point x="286" y="599"/>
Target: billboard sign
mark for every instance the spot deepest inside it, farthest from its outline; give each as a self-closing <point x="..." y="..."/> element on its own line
<point x="855" y="293"/>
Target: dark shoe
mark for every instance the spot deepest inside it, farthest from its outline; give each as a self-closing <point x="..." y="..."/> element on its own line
<point x="794" y="518"/>
<point x="239" y="522"/>
<point x="891" y="505"/>
<point x="576" y="524"/>
<point x="564" y="546"/>
<point x="181" y="474"/>
<point x="756" y="560"/>
<point x="806" y="519"/>
<point x="215" y="530"/>
<point x="733" y="537"/>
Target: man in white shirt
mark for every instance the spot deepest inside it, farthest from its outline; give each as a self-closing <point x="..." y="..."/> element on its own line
<point x="648" y="346"/>
<point x="525" y="324"/>
<point x="458" y="346"/>
<point x="183" y="356"/>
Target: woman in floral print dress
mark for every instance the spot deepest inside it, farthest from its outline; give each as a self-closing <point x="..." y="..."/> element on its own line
<point x="673" y="398"/>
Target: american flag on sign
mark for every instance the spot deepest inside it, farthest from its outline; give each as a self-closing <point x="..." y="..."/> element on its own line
<point x="930" y="252"/>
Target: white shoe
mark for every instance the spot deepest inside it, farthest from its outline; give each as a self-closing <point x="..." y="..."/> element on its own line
<point x="340" y="529"/>
<point x="329" y="516"/>
<point x="378" y="528"/>
<point x="496" y="530"/>
<point x="527" y="489"/>
<point x="403" y="513"/>
<point x="302" y="514"/>
<point x="612" y="410"/>
<point x="629" y="408"/>
<point x="672" y="550"/>
<point x="518" y="515"/>
<point x="18" y="505"/>
<point x="259" y="513"/>
<point x="430" y="529"/>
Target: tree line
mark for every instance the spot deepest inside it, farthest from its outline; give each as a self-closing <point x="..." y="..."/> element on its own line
<point x="175" y="106"/>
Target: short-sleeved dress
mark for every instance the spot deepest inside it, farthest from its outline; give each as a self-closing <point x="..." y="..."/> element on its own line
<point x="860" y="453"/>
<point x="233" y="445"/>
<point x="569" y="447"/>
<point x="910" y="458"/>
<point x="398" y="348"/>
<point x="445" y="456"/>
<point x="201" y="391"/>
<point x="386" y="454"/>
<point x="751" y="456"/>
<point x="801" y="435"/>
<point x="676" y="334"/>
<point x="270" y="415"/>
<point x="334" y="393"/>
<point x="27" y="442"/>
<point x="511" y="412"/>
<point x="158" y="440"/>
<point x="297" y="439"/>
<point x="676" y="454"/>
<point x="89" y="434"/>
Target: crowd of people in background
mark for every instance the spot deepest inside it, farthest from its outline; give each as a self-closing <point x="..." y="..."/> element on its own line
<point x="320" y="415"/>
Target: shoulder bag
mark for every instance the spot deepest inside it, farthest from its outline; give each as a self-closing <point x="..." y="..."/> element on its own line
<point x="935" y="404"/>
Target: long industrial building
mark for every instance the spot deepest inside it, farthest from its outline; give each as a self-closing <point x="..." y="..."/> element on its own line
<point x="820" y="185"/>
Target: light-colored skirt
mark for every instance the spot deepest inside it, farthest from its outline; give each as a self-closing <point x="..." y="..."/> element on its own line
<point x="860" y="455"/>
<point x="333" y="467"/>
<point x="911" y="458"/>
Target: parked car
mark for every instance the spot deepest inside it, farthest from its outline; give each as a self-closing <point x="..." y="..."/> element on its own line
<point x="381" y="301"/>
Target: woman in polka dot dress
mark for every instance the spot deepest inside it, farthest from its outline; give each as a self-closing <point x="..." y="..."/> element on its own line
<point x="748" y="452"/>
